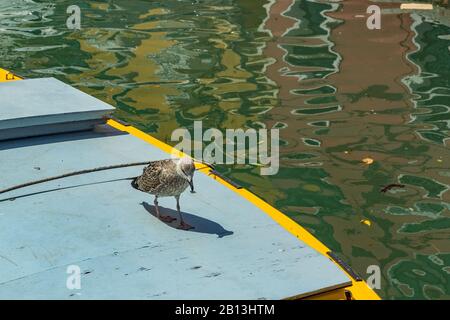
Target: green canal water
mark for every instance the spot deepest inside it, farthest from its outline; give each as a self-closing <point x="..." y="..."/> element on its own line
<point x="338" y="91"/>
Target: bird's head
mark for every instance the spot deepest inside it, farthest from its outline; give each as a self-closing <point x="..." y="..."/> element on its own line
<point x="186" y="169"/>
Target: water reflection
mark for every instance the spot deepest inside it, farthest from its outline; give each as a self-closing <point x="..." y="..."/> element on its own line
<point x="338" y="91"/>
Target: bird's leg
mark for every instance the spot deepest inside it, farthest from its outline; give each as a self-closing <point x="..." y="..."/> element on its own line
<point x="167" y="219"/>
<point x="191" y="184"/>
<point x="183" y="225"/>
<point x="156" y="207"/>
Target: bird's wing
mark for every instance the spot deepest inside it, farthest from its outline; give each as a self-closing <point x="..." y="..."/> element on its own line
<point x="155" y="175"/>
<point x="168" y="172"/>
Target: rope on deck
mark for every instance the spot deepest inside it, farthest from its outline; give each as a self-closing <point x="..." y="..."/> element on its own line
<point x="74" y="173"/>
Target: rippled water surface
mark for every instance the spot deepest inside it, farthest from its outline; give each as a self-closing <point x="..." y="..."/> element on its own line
<point x="338" y="91"/>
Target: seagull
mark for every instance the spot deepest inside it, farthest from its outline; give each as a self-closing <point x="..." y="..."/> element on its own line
<point x="167" y="178"/>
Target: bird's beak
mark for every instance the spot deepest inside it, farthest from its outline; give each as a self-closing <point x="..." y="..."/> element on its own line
<point x="207" y="165"/>
<point x="191" y="183"/>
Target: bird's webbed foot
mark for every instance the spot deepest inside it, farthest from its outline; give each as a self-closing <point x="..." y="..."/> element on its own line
<point x="184" y="226"/>
<point x="167" y="219"/>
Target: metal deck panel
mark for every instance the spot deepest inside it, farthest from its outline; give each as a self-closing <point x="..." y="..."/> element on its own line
<point x="44" y="101"/>
<point x="236" y="251"/>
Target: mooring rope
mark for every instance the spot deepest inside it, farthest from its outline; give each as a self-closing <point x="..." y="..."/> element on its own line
<point x="75" y="173"/>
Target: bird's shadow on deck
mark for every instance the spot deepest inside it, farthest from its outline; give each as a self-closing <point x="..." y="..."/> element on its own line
<point x="200" y="224"/>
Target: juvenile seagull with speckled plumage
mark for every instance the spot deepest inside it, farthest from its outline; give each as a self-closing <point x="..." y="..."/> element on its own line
<point x="167" y="178"/>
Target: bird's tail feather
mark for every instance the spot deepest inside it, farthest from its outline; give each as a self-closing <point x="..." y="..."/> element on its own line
<point x="134" y="183"/>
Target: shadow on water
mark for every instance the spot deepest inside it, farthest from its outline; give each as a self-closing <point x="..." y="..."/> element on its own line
<point x="201" y="225"/>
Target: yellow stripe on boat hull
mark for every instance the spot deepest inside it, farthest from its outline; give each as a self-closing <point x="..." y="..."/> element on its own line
<point x="8" y="76"/>
<point x="359" y="289"/>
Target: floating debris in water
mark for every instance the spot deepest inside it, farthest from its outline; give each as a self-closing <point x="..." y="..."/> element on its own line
<point x="366" y="222"/>
<point x="367" y="161"/>
<point x="416" y="6"/>
<point x="390" y="186"/>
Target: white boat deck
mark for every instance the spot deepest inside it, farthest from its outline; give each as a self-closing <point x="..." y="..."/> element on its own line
<point x="98" y="222"/>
